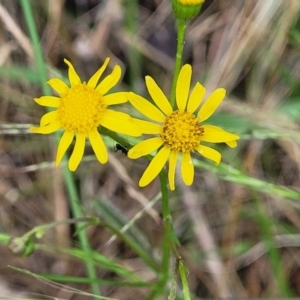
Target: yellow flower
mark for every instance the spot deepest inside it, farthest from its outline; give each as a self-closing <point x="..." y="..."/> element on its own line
<point x="81" y="109"/>
<point x="180" y="131"/>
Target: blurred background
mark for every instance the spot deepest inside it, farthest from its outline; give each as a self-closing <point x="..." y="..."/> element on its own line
<point x="238" y="224"/>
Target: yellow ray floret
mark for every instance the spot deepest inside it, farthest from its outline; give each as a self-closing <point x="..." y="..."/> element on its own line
<point x="179" y="132"/>
<point x="80" y="109"/>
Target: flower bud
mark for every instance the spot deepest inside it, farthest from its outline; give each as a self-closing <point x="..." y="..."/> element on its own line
<point x="186" y="9"/>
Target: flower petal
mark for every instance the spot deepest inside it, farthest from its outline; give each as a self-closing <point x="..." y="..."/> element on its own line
<point x="183" y="86"/>
<point x="63" y="146"/>
<point x="98" y="146"/>
<point x="209" y="153"/>
<point x="196" y="97"/>
<point x="58" y="85"/>
<point x="232" y="144"/>
<point x="147" y="127"/>
<point x="117" y="115"/>
<point x="187" y="169"/>
<point x="155" y="166"/>
<point x="50" y="128"/>
<point x="48" y="118"/>
<point x="214" y="134"/>
<point x="94" y="79"/>
<point x="146" y="108"/>
<point x="172" y="169"/>
<point x="119" y="122"/>
<point x="211" y="104"/>
<point x="145" y="147"/>
<point x="116" y="98"/>
<point x="109" y="81"/>
<point x="77" y="152"/>
<point x="73" y="76"/>
<point x="158" y="96"/>
<point x="50" y="101"/>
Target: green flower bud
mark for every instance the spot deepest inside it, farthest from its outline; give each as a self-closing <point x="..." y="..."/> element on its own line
<point x="186" y="9"/>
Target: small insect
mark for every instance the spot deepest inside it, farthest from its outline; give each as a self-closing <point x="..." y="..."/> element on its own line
<point x="121" y="148"/>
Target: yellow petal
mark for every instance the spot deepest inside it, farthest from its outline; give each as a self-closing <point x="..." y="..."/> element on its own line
<point x="48" y="118"/>
<point x="116" y="98"/>
<point x="187" y="169"/>
<point x="183" y="86"/>
<point x="232" y="144"/>
<point x="58" y="85"/>
<point x="172" y="169"/>
<point x="196" y="97"/>
<point x="50" y="128"/>
<point x="158" y="96"/>
<point x="98" y="146"/>
<point x="50" y="101"/>
<point x="109" y="81"/>
<point x="145" y="147"/>
<point x="117" y="115"/>
<point x="214" y="134"/>
<point x="146" y="108"/>
<point x="63" y="146"/>
<point x="155" y="166"/>
<point x="211" y="104"/>
<point x="209" y="153"/>
<point x="94" y="79"/>
<point x="120" y="122"/>
<point x="77" y="152"/>
<point x="147" y="127"/>
<point x="73" y="76"/>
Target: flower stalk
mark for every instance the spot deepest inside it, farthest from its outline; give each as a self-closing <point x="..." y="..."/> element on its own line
<point x="70" y="184"/>
<point x="181" y="27"/>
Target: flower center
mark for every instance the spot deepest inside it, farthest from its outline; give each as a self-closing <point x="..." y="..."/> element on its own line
<point x="81" y="109"/>
<point x="182" y="131"/>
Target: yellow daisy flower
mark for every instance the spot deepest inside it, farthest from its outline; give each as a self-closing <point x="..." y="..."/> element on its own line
<point x="80" y="109"/>
<point x="180" y="131"/>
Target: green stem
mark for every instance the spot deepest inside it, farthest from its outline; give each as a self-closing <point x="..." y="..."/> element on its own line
<point x="134" y="57"/>
<point x="166" y="243"/>
<point x="42" y="71"/>
<point x="82" y="235"/>
<point x="167" y="223"/>
<point x="185" y="285"/>
<point x="73" y="195"/>
<point x="116" y="137"/>
<point x="168" y="236"/>
<point x="178" y="61"/>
